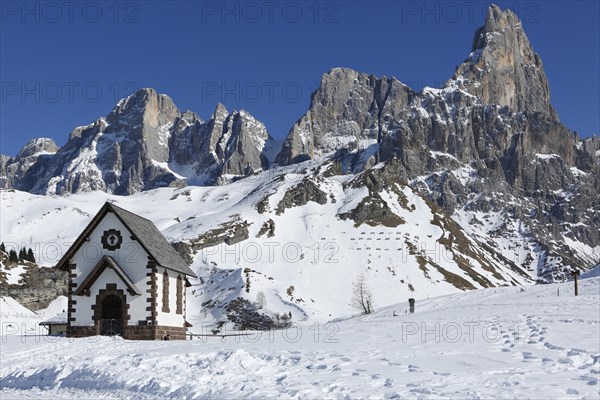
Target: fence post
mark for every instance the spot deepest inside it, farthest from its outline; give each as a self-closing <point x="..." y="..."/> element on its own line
<point x="575" y="274"/>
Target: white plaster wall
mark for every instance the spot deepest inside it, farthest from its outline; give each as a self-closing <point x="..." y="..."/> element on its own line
<point x="137" y="304"/>
<point x="131" y="257"/>
<point x="171" y="318"/>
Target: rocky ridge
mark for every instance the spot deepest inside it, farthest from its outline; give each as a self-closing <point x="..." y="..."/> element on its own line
<point x="144" y="143"/>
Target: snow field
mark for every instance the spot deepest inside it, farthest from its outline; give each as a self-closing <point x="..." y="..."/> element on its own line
<point x="513" y="343"/>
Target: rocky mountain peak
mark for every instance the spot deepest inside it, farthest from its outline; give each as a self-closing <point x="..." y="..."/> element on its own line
<point x="497" y="20"/>
<point x="190" y="117"/>
<point x="38" y="146"/>
<point x="145" y="142"/>
<point x="220" y="112"/>
<point x="139" y="98"/>
<point x="345" y="111"/>
<point x="502" y="67"/>
<point x="145" y="106"/>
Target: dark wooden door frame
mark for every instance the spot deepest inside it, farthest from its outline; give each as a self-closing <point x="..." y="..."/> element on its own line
<point x="98" y="308"/>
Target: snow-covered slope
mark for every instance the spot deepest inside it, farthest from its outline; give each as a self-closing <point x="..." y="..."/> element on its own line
<point x="298" y="235"/>
<point x="56" y="307"/>
<point x="591" y="273"/>
<point x="18" y="320"/>
<point x="494" y="343"/>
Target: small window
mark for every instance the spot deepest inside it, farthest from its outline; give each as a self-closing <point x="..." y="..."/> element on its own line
<point x="165" y="298"/>
<point x="179" y="295"/>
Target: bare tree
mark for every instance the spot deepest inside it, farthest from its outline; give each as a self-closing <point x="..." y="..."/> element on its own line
<point x="362" y="298"/>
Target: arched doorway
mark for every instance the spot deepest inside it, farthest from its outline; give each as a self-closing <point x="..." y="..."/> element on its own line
<point x="111" y="322"/>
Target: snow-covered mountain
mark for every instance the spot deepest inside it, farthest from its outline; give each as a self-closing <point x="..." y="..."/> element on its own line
<point x="472" y="185"/>
<point x="487" y="143"/>
<point x="144" y="143"/>
<point x="299" y="236"/>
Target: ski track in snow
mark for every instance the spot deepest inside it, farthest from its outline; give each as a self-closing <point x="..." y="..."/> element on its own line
<point x="525" y="343"/>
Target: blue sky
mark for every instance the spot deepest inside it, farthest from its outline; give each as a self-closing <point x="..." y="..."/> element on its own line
<point x="64" y="64"/>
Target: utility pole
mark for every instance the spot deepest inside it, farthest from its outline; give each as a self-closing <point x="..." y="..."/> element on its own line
<point x="575" y="274"/>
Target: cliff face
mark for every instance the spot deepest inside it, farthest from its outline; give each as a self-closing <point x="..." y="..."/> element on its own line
<point x="144" y="143"/>
<point x="227" y="147"/>
<point x="503" y="68"/>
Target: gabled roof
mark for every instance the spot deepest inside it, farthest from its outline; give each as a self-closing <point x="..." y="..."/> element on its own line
<point x="106" y="262"/>
<point x="145" y="232"/>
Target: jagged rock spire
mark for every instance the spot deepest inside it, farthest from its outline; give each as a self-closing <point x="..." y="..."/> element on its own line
<point x="503" y="68"/>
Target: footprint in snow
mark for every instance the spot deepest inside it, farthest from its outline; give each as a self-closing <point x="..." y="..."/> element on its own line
<point x="553" y="347"/>
<point x="422" y="391"/>
<point x="528" y="357"/>
<point x="320" y="366"/>
<point x="574" y="352"/>
<point x="590" y="380"/>
<point x="333" y="387"/>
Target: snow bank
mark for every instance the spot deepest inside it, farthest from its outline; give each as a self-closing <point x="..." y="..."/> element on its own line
<point x="16" y="319"/>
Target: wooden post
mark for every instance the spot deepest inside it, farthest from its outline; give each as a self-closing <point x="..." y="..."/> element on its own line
<point x="575" y="274"/>
<point x="411" y="305"/>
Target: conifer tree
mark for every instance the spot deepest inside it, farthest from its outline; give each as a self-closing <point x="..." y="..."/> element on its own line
<point x="30" y="256"/>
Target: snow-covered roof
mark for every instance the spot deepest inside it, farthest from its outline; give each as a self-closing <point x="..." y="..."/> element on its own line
<point x="56" y="320"/>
